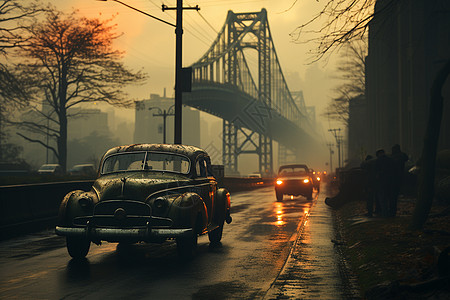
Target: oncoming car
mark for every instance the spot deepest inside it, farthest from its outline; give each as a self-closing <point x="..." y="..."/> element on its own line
<point x="293" y="180"/>
<point x="315" y="176"/>
<point x="147" y="193"/>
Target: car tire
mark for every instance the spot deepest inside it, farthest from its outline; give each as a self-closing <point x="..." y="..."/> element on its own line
<point x="77" y="247"/>
<point x="187" y="246"/>
<point x="215" y="236"/>
<point x="279" y="196"/>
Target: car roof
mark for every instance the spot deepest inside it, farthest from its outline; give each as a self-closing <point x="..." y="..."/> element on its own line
<point x="190" y="151"/>
<point x="83" y="165"/>
<point x="50" y="165"/>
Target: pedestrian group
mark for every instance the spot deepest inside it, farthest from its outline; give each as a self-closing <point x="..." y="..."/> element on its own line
<point x="384" y="179"/>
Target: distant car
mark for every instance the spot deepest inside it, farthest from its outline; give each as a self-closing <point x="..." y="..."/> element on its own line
<point x="50" y="169"/>
<point x="255" y="175"/>
<point x="293" y="179"/>
<point x="315" y="176"/>
<point x="147" y="193"/>
<point x="82" y="170"/>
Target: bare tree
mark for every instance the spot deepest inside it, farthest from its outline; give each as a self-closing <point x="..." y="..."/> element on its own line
<point x="340" y="22"/>
<point x="13" y="15"/>
<point x="351" y="70"/>
<point x="70" y="60"/>
<point x="425" y="192"/>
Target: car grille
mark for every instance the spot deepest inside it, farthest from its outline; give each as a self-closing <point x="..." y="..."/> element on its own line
<point x="294" y="182"/>
<point x="118" y="213"/>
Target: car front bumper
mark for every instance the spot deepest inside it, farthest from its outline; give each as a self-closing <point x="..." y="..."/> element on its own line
<point x="118" y="234"/>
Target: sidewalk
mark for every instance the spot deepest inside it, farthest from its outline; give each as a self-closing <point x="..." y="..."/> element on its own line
<point x="314" y="269"/>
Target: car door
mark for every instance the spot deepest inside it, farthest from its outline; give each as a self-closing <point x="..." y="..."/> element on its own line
<point x="205" y="184"/>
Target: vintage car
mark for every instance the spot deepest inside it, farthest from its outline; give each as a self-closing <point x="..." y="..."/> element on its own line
<point x="293" y="180"/>
<point x="47" y="169"/>
<point x="87" y="170"/>
<point x="147" y="193"/>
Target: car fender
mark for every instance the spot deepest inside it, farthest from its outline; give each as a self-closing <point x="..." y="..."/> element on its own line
<point x="222" y="206"/>
<point x="189" y="210"/>
<point x="70" y="206"/>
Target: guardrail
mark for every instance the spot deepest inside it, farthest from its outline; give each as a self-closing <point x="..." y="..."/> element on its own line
<point x="31" y="207"/>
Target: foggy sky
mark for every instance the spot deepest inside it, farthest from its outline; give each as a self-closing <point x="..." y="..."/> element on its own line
<point x="150" y="45"/>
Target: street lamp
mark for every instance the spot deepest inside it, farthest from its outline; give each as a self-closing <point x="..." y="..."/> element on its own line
<point x="178" y="58"/>
<point x="164" y="114"/>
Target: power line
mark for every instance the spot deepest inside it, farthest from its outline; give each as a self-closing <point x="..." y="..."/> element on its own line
<point x="206" y="21"/>
<point x="188" y="29"/>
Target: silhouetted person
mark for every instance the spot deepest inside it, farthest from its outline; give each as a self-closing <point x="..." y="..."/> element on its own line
<point x="368" y="165"/>
<point x="384" y="173"/>
<point x="399" y="159"/>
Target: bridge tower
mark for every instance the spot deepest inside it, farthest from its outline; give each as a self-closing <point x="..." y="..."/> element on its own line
<point x="248" y="30"/>
<point x="253" y="100"/>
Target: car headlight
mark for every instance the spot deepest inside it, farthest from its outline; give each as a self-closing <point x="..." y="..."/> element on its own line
<point x="306" y="180"/>
<point x="85" y="202"/>
<point x="318" y="178"/>
<point x="279" y="182"/>
<point x="160" y="203"/>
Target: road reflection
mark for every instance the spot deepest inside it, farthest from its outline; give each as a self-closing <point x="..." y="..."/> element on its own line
<point x="279" y="212"/>
<point x="282" y="209"/>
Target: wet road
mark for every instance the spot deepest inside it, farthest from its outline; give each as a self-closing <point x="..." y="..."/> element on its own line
<point x="254" y="249"/>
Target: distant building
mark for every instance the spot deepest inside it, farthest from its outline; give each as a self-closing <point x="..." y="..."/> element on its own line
<point x="408" y="43"/>
<point x="149" y="122"/>
<point x="357" y="134"/>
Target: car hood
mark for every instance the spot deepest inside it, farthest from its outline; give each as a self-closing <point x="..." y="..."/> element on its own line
<point x="297" y="177"/>
<point x="136" y="185"/>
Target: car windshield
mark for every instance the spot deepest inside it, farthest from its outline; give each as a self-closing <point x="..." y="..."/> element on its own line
<point x="293" y="171"/>
<point x="151" y="161"/>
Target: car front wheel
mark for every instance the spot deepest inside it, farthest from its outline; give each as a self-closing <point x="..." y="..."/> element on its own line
<point x="77" y="247"/>
<point x="279" y="196"/>
<point x="216" y="235"/>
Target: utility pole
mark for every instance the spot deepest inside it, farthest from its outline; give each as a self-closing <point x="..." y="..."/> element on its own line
<point x="337" y="136"/>
<point x="178" y="65"/>
<point x="330" y="146"/>
<point x="341" y="145"/>
<point x="164" y="114"/>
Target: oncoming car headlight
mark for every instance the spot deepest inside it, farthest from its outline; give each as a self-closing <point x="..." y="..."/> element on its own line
<point x="306" y="180"/>
<point x="279" y="182"/>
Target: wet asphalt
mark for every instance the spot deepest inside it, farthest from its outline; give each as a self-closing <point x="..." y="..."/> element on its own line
<point x="315" y="267"/>
<point x="271" y="250"/>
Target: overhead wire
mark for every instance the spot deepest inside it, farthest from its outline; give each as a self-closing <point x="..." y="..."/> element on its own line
<point x="228" y="2"/>
<point x="188" y="28"/>
<point x="206" y="21"/>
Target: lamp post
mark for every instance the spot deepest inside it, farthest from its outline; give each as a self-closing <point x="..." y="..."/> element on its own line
<point x="178" y="58"/>
<point x="164" y="114"/>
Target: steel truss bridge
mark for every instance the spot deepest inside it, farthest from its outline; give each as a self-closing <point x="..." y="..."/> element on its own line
<point x="256" y="108"/>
